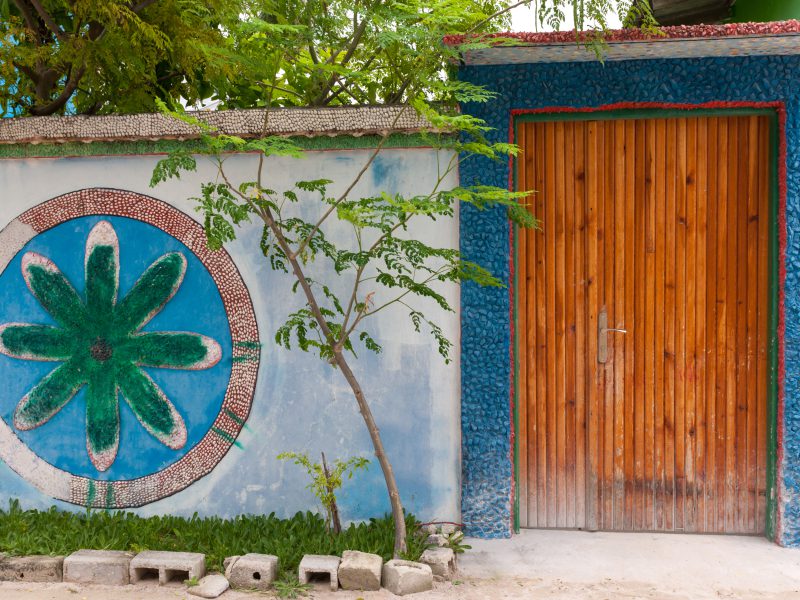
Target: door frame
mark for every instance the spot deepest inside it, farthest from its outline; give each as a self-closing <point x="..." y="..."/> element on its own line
<point x="777" y="271"/>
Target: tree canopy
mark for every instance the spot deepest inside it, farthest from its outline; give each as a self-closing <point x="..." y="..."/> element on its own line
<point x="118" y="56"/>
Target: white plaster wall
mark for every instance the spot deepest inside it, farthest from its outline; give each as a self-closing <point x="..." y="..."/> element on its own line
<point x="301" y="404"/>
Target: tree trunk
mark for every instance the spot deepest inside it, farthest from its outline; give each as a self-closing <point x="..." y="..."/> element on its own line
<point x="333" y="509"/>
<point x="388" y="474"/>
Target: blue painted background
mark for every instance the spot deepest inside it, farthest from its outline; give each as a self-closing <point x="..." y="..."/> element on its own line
<point x="197" y="307"/>
<point x="484" y="237"/>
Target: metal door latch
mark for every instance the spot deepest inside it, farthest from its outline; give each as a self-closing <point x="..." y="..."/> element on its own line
<point x="602" y="335"/>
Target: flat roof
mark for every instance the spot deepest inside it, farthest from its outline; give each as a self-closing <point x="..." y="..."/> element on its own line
<point x="780" y="38"/>
<point x="308" y="122"/>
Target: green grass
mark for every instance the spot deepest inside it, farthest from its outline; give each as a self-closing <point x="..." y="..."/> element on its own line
<point x="56" y="532"/>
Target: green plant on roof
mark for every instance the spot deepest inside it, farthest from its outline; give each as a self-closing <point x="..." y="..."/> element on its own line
<point x="100" y="345"/>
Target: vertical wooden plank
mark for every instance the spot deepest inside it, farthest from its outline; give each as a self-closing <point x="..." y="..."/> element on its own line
<point x="651" y="186"/>
<point x="689" y="489"/>
<point x="569" y="301"/>
<point x="581" y="331"/>
<point x="701" y="323"/>
<point x="669" y="316"/>
<point x="742" y="202"/>
<point x="712" y="326"/>
<point x="642" y="189"/>
<point x="751" y="471"/>
<point x="730" y="330"/>
<point x="751" y="451"/>
<point x="560" y="322"/>
<point x="722" y="328"/>
<point x="551" y="325"/>
<point x="609" y="293"/>
<point x="682" y="410"/>
<point x="527" y="419"/>
<point x="541" y="332"/>
<point x="629" y="320"/>
<point x="521" y="275"/>
<point x="617" y="450"/>
<point x="593" y="261"/>
<point x="660" y="346"/>
<point x="763" y="316"/>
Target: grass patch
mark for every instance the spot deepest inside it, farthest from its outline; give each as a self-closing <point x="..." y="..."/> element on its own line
<point x="57" y="532"/>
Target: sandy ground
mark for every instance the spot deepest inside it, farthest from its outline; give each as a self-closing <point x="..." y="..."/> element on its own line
<point x="555" y="565"/>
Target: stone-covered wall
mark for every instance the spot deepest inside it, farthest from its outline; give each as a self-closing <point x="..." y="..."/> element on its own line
<point x="486" y="375"/>
<point x="99" y="407"/>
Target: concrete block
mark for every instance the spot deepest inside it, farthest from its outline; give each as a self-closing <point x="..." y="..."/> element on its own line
<point x="252" y="571"/>
<point x="316" y="567"/>
<point x="360" y="571"/>
<point x="210" y="586"/>
<point x="168" y="566"/>
<point x="402" y="577"/>
<point x="108" y="567"/>
<point x="442" y="562"/>
<point x="37" y="569"/>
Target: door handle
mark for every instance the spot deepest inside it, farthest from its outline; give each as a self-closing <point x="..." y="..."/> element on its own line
<point x="602" y="335"/>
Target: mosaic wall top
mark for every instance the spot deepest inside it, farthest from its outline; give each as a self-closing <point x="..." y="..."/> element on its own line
<point x="680" y="41"/>
<point x="355" y="121"/>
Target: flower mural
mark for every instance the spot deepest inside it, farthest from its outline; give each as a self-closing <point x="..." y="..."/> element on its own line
<point x="99" y="343"/>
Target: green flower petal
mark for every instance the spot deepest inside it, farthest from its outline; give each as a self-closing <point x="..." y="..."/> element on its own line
<point x="102" y="271"/>
<point x="102" y="418"/>
<point x="151" y="406"/>
<point x="53" y="291"/>
<point x="49" y="396"/>
<point x="151" y="292"/>
<point x="172" y="350"/>
<point x="36" y="342"/>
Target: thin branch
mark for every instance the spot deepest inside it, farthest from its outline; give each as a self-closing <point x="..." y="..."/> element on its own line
<point x="353" y="184"/>
<point x="30" y="20"/>
<point x="137" y="8"/>
<point x="358" y="33"/>
<point x="47" y="19"/>
<point x="62" y="98"/>
<point x="493" y="16"/>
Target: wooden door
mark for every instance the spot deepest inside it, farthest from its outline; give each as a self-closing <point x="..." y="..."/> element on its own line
<point x="661" y="227"/>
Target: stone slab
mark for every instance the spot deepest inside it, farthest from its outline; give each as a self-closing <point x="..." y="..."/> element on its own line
<point x="252" y="571"/>
<point x="360" y="571"/>
<point x="210" y="586"/>
<point x="403" y="577"/>
<point x="317" y="564"/>
<point x="168" y="565"/>
<point x="36" y="569"/>
<point x="107" y="567"/>
<point x="442" y="562"/>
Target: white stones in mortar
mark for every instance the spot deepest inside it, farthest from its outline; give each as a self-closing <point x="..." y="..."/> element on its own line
<point x="107" y="567"/>
<point x="403" y="577"/>
<point x="315" y="565"/>
<point x="168" y="565"/>
<point x="360" y="571"/>
<point x="251" y="571"/>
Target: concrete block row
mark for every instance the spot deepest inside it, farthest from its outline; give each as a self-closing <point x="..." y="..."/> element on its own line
<point x="360" y="571"/>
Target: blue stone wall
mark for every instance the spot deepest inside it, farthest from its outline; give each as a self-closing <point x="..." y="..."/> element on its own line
<point x="486" y="422"/>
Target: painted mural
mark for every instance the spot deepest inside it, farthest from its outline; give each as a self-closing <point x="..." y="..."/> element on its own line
<point x="129" y="349"/>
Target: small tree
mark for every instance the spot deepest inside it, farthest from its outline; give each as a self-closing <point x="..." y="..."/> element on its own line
<point x="383" y="263"/>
